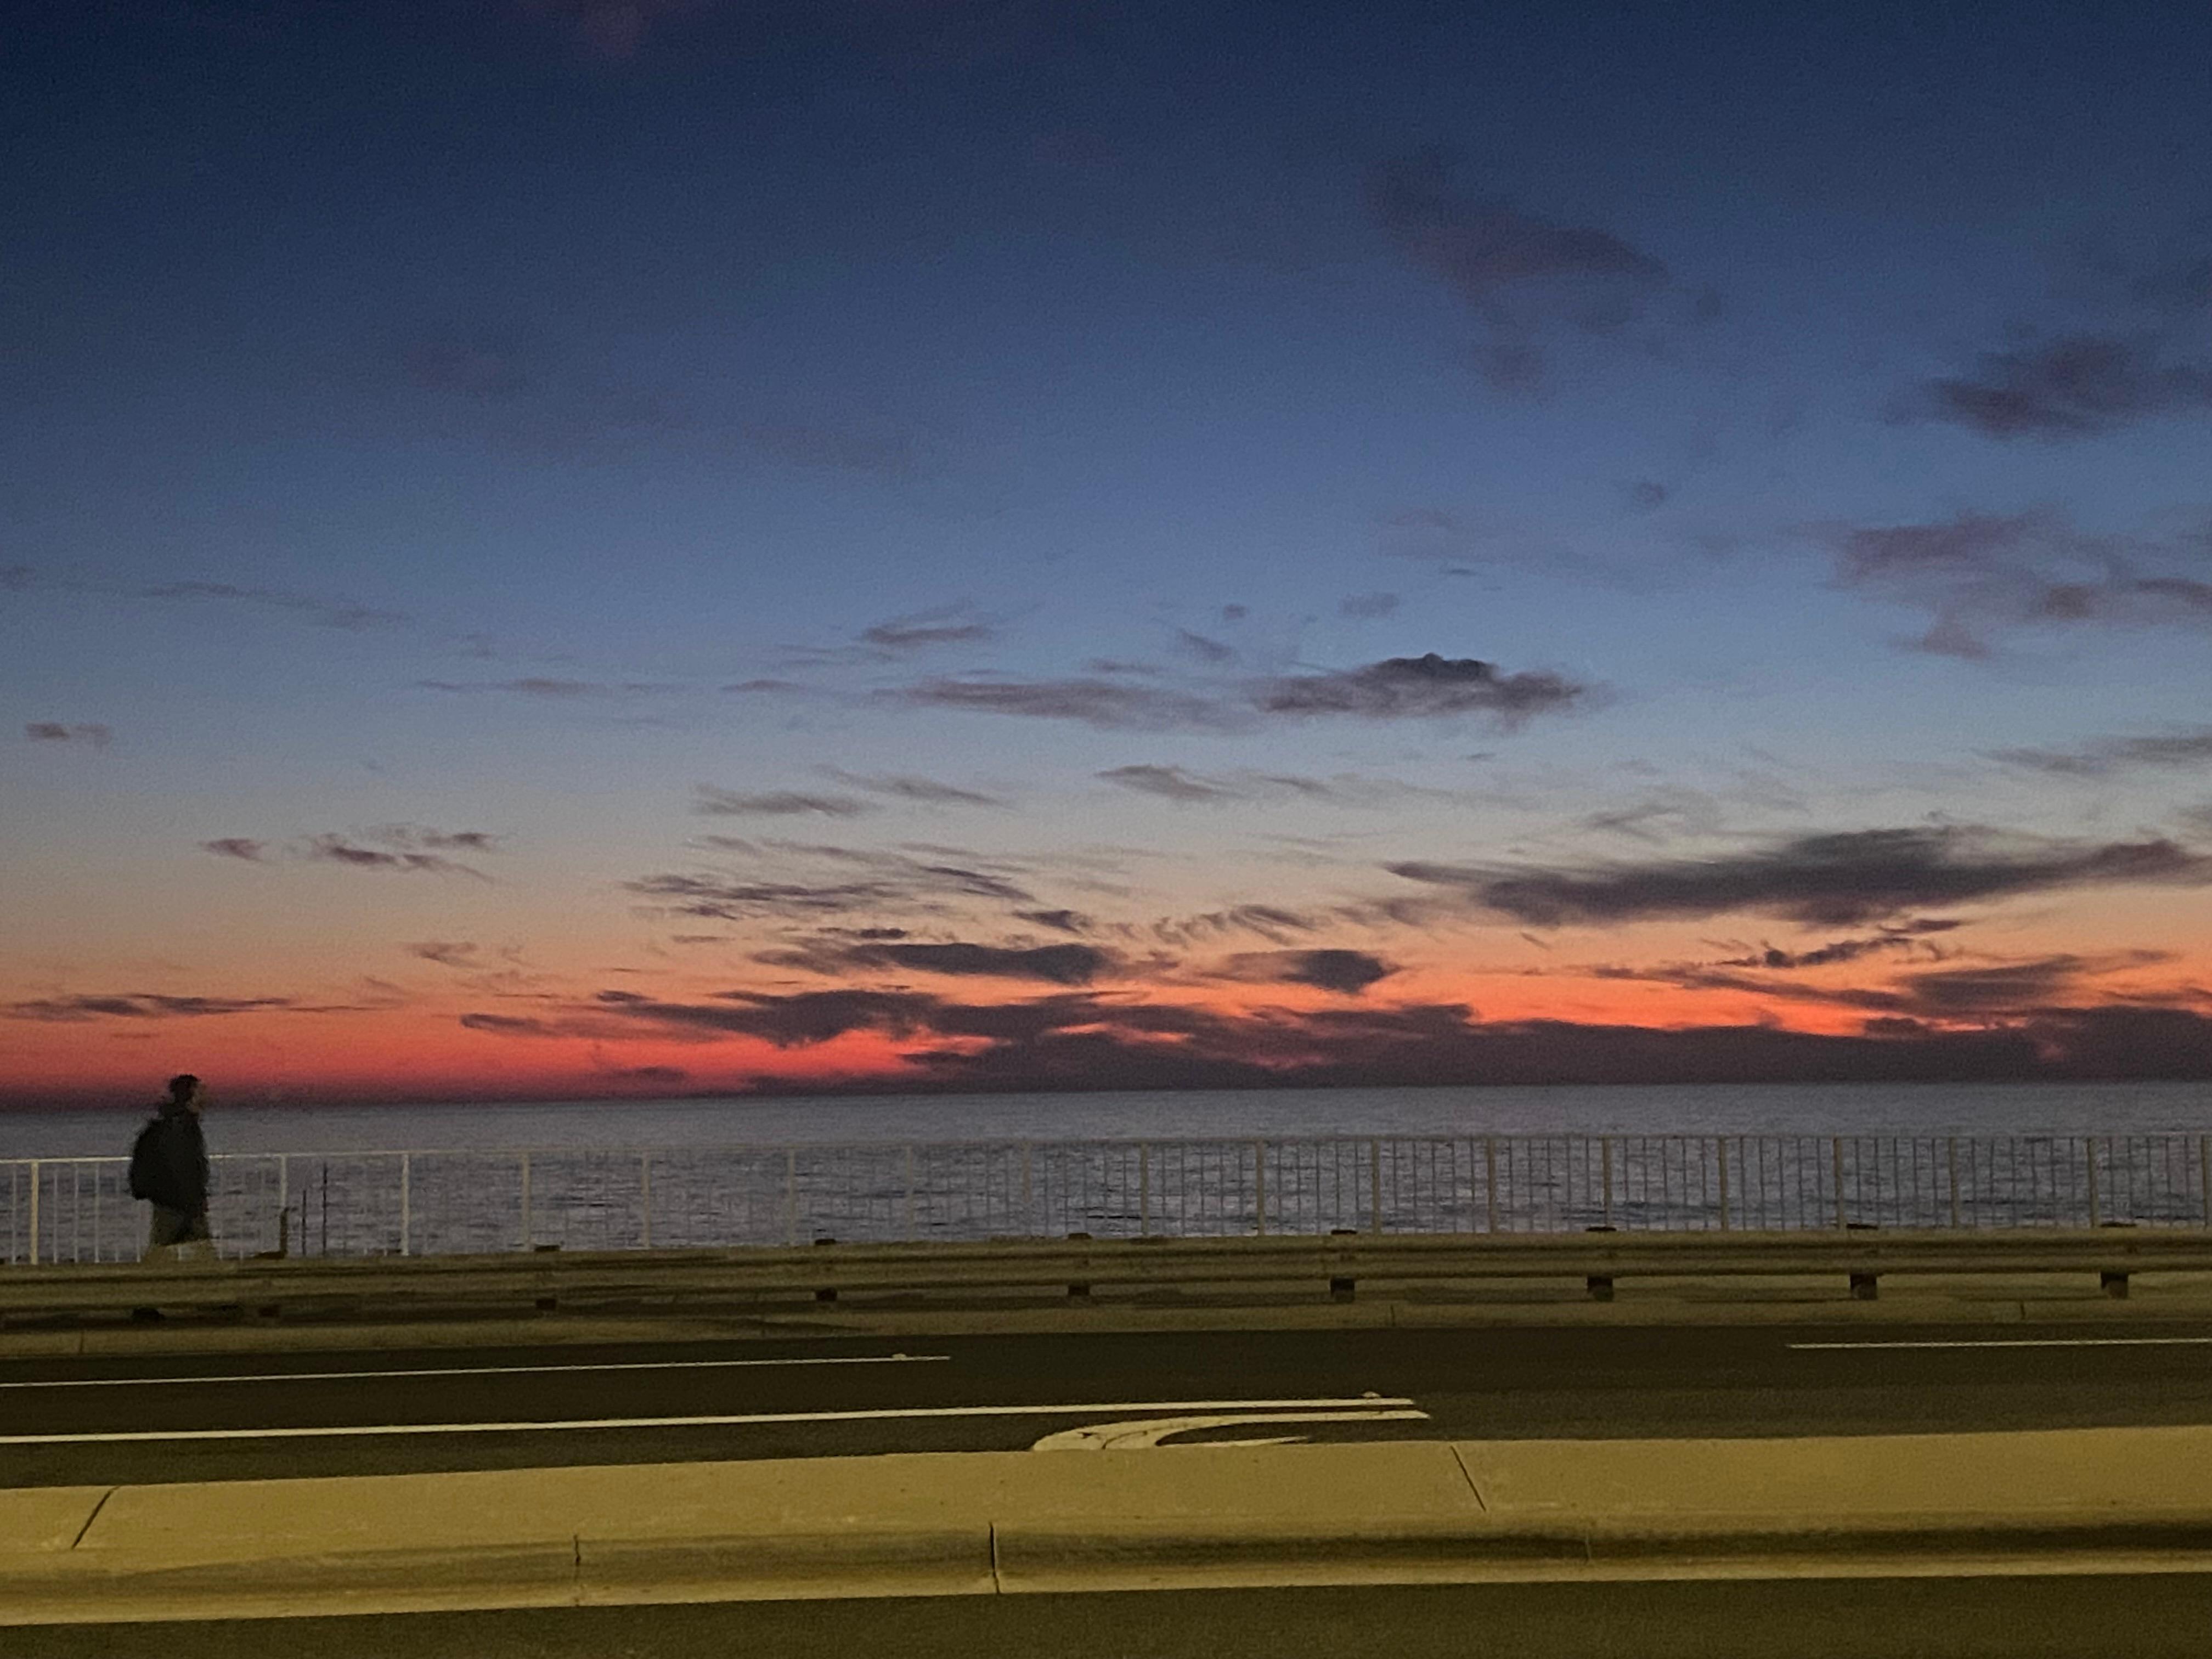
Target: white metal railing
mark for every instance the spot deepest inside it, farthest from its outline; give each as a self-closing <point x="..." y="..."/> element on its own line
<point x="427" y="1202"/>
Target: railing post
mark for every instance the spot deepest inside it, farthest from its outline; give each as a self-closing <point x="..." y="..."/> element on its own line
<point x="284" y="1208"/>
<point x="1260" y="1186"/>
<point x="2089" y="1164"/>
<point x="791" y="1195"/>
<point x="1605" y="1163"/>
<point x="1144" y="1188"/>
<point x="645" y="1197"/>
<point x="406" y="1203"/>
<point x="1490" y="1181"/>
<point x="1029" y="1199"/>
<point x="909" y="1195"/>
<point x="1951" y="1158"/>
<point x="34" y="1212"/>
<point x="1836" y="1165"/>
<point x="529" y="1239"/>
<point x="1374" y="1185"/>
<point x="2204" y="1174"/>
<point x="1720" y="1143"/>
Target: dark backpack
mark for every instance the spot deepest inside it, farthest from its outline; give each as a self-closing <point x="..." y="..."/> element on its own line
<point x="146" y="1171"/>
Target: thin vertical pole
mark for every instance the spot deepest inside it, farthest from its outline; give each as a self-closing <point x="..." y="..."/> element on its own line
<point x="528" y="1239"/>
<point x="645" y="1196"/>
<point x="1720" y="1143"/>
<point x="1029" y="1197"/>
<point x="34" y="1212"/>
<point x="1836" y="1163"/>
<point x="909" y="1193"/>
<point x="1260" y="1185"/>
<point x="1144" y="1188"/>
<point x="1489" y="1181"/>
<point x="285" y="1207"/>
<point x="2204" y="1175"/>
<point x="1951" y="1157"/>
<point x="1374" y="1185"/>
<point x="791" y="1195"/>
<point x="2089" y="1164"/>
<point x="406" y="1203"/>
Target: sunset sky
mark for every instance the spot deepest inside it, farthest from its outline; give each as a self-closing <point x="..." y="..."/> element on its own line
<point x="569" y="548"/>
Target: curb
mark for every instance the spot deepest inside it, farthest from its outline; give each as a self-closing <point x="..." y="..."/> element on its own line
<point x="1907" y="1306"/>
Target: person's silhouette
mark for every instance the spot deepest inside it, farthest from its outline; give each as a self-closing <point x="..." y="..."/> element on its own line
<point x="169" y="1168"/>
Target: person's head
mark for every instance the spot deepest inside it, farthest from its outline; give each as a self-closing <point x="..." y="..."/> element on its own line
<point x="184" y="1091"/>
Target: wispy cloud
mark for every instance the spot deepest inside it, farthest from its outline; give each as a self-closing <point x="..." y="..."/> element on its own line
<point x="1107" y="705"/>
<point x="1979" y="574"/>
<point x="137" y="1005"/>
<point x="556" y="689"/>
<point x="1364" y="607"/>
<point x="948" y="625"/>
<point x="314" y="608"/>
<point x="410" y="847"/>
<point x="91" y="733"/>
<point x="2101" y="757"/>
<point x="1171" y="783"/>
<point x="724" y="803"/>
<point x="1518" y="274"/>
<point x="905" y="786"/>
<point x="1854" y="876"/>
<point x="2078" y="385"/>
<point x="1345" y="973"/>
<point x="1056" y="964"/>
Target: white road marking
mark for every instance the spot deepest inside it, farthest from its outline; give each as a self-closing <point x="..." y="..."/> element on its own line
<point x="2032" y="1342"/>
<point x="477" y="1371"/>
<point x="1085" y="1408"/>
<point x="1147" y="1432"/>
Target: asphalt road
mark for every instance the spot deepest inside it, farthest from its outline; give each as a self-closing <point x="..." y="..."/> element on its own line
<point x="164" y="1419"/>
<point x="2118" y="1616"/>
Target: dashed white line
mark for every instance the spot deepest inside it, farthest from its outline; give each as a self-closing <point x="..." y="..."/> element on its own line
<point x="476" y="1371"/>
<point x="354" y="1431"/>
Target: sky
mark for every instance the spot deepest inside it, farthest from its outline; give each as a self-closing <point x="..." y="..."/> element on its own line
<point x="597" y="548"/>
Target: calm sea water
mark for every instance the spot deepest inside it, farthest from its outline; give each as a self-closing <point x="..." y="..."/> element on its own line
<point x="1740" y="1109"/>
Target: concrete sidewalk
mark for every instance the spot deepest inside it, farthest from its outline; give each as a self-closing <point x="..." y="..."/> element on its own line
<point x="998" y="1522"/>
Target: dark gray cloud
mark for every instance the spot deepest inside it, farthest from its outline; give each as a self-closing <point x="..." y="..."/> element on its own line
<point x="1419" y="688"/>
<point x="339" y="849"/>
<point x="1346" y="973"/>
<point x="2103" y="756"/>
<point x="310" y="608"/>
<point x="1905" y="939"/>
<point x="137" y="1005"/>
<point x="458" y="953"/>
<point x="1107" y="705"/>
<point x="856" y="879"/>
<point x="1269" y="921"/>
<point x="1645" y="495"/>
<point x="902" y="787"/>
<point x="553" y="689"/>
<point x="1171" y="783"/>
<point x="1059" y="922"/>
<point x="236" y="847"/>
<point x="724" y="803"/>
<point x="1518" y="274"/>
<point x="87" y="731"/>
<point x="1852" y="877"/>
<point x="400" y="847"/>
<point x="1204" y="649"/>
<point x="2078" y="385"/>
<point x="1367" y="606"/>
<point x="512" y="1025"/>
<point x="1981" y="574"/>
<point x="949" y="626"/>
<point x="1055" y="964"/>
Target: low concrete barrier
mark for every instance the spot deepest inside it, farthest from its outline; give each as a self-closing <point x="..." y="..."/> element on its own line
<point x="1333" y="1267"/>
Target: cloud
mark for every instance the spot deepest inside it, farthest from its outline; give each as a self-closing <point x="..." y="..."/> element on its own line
<point x="1981" y="574"/>
<point x="1840" y="878"/>
<point x="1346" y="973"/>
<point x="927" y="790"/>
<point x="1906" y="938"/>
<point x="2103" y="756"/>
<point x="403" y="846"/>
<point x="723" y="803"/>
<point x="1419" y="688"/>
<point x="1367" y="606"/>
<point x="236" y="847"/>
<point x="1269" y="921"/>
<point x="951" y="625"/>
<point x="551" y="689"/>
<point x="319" y="612"/>
<point x="137" y="1005"/>
<point x="1204" y="649"/>
<point x="338" y="849"/>
<point x="1059" y="922"/>
<point x="89" y="732"/>
<point x="511" y="1025"/>
<point x="447" y="954"/>
<point x="1107" y="705"/>
<point x="1170" y="783"/>
<point x="1056" y="964"/>
<point x="2079" y="385"/>
<point x="1645" y="495"/>
<point x="868" y="881"/>
<point x="1517" y="273"/>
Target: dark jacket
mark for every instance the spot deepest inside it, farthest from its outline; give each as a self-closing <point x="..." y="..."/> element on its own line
<point x="169" y="1162"/>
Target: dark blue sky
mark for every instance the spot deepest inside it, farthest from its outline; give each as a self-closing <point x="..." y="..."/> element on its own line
<point x="420" y="418"/>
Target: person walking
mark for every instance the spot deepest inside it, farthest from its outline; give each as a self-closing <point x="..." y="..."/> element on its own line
<point x="169" y="1169"/>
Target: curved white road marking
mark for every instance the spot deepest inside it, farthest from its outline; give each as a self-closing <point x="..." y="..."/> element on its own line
<point x="1150" y="1431"/>
<point x="476" y="1371"/>
<point x="354" y="1430"/>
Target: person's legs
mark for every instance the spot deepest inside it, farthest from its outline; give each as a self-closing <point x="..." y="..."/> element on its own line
<point x="170" y="1227"/>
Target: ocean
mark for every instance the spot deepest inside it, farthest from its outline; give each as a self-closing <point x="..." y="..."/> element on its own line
<point x="581" y="1125"/>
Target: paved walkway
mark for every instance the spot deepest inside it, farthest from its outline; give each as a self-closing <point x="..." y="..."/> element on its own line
<point x="1041" y="1521"/>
